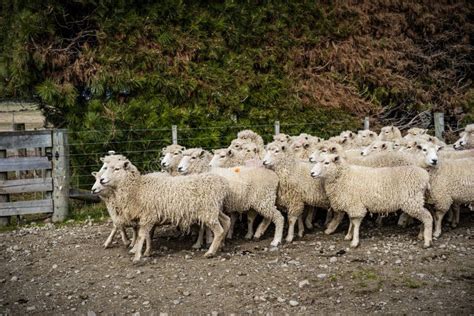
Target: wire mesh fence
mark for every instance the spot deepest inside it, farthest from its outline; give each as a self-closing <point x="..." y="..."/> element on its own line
<point x="143" y="146"/>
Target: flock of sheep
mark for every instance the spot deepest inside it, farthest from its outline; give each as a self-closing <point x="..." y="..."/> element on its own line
<point x="352" y="173"/>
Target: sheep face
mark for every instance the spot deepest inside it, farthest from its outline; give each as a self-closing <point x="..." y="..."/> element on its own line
<point x="417" y="131"/>
<point x="188" y="159"/>
<point x="461" y="142"/>
<point x="171" y="156"/>
<point x="98" y="188"/>
<point x="249" y="151"/>
<point x="377" y="146"/>
<point x="300" y="146"/>
<point x="282" y="138"/>
<point x="467" y="139"/>
<point x="347" y="135"/>
<point x="115" y="173"/>
<point x="430" y="151"/>
<point x="237" y="144"/>
<point x="366" y="137"/>
<point x="389" y="133"/>
<point x="220" y="157"/>
<point x="326" y="165"/>
<point x="274" y="153"/>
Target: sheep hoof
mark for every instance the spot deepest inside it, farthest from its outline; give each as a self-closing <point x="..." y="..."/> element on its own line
<point x="274" y="243"/>
<point x="209" y="255"/>
<point x="196" y="246"/>
<point x="136" y="260"/>
<point x="248" y="236"/>
<point x="348" y="237"/>
<point x="106" y="245"/>
<point x="309" y="225"/>
<point x="328" y="231"/>
<point x="289" y="240"/>
<point x="354" y="244"/>
<point x="146" y="254"/>
<point x="436" y="234"/>
<point x="427" y="245"/>
<point x="132" y="251"/>
<point x="454" y="225"/>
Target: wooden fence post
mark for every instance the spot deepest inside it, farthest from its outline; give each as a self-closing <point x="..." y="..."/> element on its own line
<point x="277" y="127"/>
<point x="366" y="123"/>
<point x="174" y="134"/>
<point x="439" y="125"/>
<point x="4" y="221"/>
<point x="60" y="175"/>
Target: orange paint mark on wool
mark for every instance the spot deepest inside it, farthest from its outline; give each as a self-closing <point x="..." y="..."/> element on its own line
<point x="237" y="170"/>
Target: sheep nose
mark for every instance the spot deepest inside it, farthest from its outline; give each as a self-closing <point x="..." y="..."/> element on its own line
<point x="164" y="164"/>
<point x="102" y="181"/>
<point x="313" y="174"/>
<point x="434" y="161"/>
<point x="361" y="153"/>
<point x="265" y="163"/>
<point x="180" y="169"/>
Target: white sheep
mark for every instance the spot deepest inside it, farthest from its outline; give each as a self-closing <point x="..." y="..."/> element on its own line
<point x="415" y="131"/>
<point x="385" y="190"/>
<point x="251" y="136"/>
<point x="194" y="160"/>
<point x="181" y="201"/>
<point x="366" y="137"/>
<point x="296" y="188"/>
<point x="283" y="138"/>
<point x="467" y="139"/>
<point x="390" y="133"/>
<point x="378" y="146"/>
<point x="252" y="191"/>
<point x="172" y="155"/>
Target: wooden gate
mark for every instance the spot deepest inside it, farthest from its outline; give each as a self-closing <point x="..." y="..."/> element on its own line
<point x="51" y="162"/>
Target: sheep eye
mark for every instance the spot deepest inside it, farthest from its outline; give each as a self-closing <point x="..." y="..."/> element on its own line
<point x="424" y="149"/>
<point x="117" y="169"/>
<point x="105" y="168"/>
<point x="193" y="157"/>
<point x="326" y="163"/>
<point x="375" y="147"/>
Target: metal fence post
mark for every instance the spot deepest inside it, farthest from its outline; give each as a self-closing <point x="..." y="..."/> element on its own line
<point x="60" y="175"/>
<point x="277" y="127"/>
<point x="366" y="123"/>
<point x="174" y="134"/>
<point x="4" y="221"/>
<point x="439" y="125"/>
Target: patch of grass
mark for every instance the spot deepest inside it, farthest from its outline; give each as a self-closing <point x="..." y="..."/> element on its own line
<point x="96" y="212"/>
<point x="364" y="275"/>
<point x="411" y="283"/>
<point x="333" y="278"/>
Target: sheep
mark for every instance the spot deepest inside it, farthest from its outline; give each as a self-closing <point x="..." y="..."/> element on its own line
<point x="226" y="157"/>
<point x="283" y="138"/>
<point x="390" y="133"/>
<point x="415" y="131"/>
<point x="467" y="139"/>
<point x="251" y="136"/>
<point x="378" y="146"/>
<point x="451" y="184"/>
<point x="252" y="190"/>
<point x="105" y="194"/>
<point x="182" y="201"/>
<point x="172" y="155"/>
<point x="385" y="190"/>
<point x="366" y="137"/>
<point x="194" y="160"/>
<point x="296" y="188"/>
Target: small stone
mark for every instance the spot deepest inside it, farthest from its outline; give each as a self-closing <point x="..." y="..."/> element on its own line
<point x="48" y="294"/>
<point x="303" y="283"/>
<point x="176" y="302"/>
<point x="146" y="303"/>
<point x="30" y="308"/>
<point x="295" y="262"/>
<point x="332" y="259"/>
<point x="280" y="299"/>
<point x="322" y="276"/>
<point x="3" y="280"/>
<point x="398" y="261"/>
<point x="14" y="278"/>
<point x="214" y="313"/>
<point x="187" y="257"/>
<point x="16" y="248"/>
<point x="91" y="313"/>
<point x="55" y="266"/>
<point x="294" y="303"/>
<point x="186" y="293"/>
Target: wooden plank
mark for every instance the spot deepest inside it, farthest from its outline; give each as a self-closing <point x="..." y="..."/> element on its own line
<point x="24" y="163"/>
<point x="25" y="139"/>
<point x="60" y="175"/>
<point x="83" y="195"/>
<point x="4" y="221"/>
<point x="26" y="207"/>
<point x="26" y="185"/>
<point x="439" y="125"/>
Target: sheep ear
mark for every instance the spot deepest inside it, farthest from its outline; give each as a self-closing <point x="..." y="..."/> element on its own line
<point x="384" y="146"/>
<point x="333" y="149"/>
<point x="102" y="159"/>
<point x="418" y="146"/>
<point x="393" y="128"/>
<point x="94" y="173"/>
<point x="438" y="148"/>
<point x="255" y="150"/>
<point x="306" y="146"/>
<point x="230" y="153"/>
<point x="336" y="159"/>
<point x="202" y="153"/>
<point x="283" y="148"/>
<point x="344" y="140"/>
<point x="126" y="165"/>
<point x="351" y="135"/>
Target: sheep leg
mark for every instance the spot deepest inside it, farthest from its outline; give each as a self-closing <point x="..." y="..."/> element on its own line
<point x="147" y="252"/>
<point x="111" y="236"/>
<point x="300" y="226"/>
<point x="350" y="232"/>
<point x="456" y="212"/>
<point x="423" y="215"/>
<point x="233" y="219"/>
<point x="134" y="236"/>
<point x="218" y="232"/>
<point x="291" y="227"/>
<point x="124" y="236"/>
<point x="200" y="238"/>
<point x="262" y="227"/>
<point x="336" y="220"/>
<point x="329" y="217"/>
<point x="142" y="235"/>
<point x="251" y="215"/>
<point x="225" y="222"/>
<point x="403" y="220"/>
<point x="356" y="227"/>
<point x="309" y="218"/>
<point x="379" y="220"/>
<point x="209" y="236"/>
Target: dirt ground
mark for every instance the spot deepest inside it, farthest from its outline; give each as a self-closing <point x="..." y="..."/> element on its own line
<point x="53" y="270"/>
